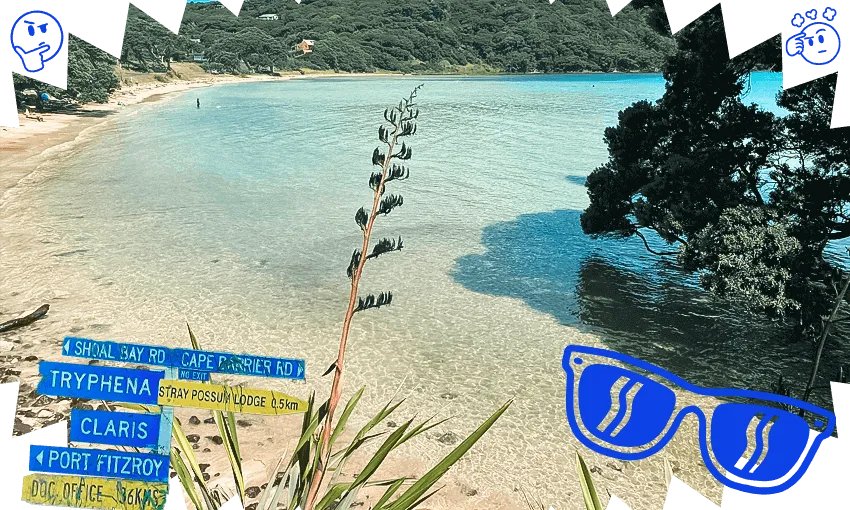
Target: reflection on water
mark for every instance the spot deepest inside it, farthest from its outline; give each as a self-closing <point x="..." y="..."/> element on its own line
<point x="640" y="304"/>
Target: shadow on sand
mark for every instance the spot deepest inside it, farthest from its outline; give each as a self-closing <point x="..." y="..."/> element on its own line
<point x="637" y="303"/>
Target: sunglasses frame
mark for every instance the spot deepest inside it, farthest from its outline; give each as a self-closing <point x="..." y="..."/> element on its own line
<point x="571" y="403"/>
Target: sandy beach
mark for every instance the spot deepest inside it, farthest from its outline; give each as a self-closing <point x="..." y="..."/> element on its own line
<point x="23" y="151"/>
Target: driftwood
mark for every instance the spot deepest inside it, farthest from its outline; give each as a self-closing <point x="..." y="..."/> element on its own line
<point x="25" y="320"/>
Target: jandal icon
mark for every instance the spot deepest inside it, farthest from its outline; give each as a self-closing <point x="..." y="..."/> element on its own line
<point x="626" y="408"/>
<point x="819" y="42"/>
<point x="37" y="37"/>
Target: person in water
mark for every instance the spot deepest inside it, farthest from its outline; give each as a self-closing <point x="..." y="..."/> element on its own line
<point x="199" y="102"/>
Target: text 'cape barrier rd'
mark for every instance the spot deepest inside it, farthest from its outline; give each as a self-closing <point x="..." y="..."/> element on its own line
<point x="226" y="398"/>
<point x="137" y="430"/>
<point x="185" y="359"/>
<point x="97" y="493"/>
<point x="99" y="383"/>
<point x="144" y="467"/>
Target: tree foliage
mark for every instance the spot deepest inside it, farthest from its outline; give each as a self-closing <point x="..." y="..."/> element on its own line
<point x="750" y="201"/>
<point x="434" y="35"/>
<point x="91" y="75"/>
<point x="150" y="46"/>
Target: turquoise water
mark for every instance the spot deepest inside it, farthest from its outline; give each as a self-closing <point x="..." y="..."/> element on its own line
<point x="239" y="217"/>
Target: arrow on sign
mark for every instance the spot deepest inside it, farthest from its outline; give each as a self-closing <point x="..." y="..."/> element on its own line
<point x="40" y="457"/>
<point x="65" y="347"/>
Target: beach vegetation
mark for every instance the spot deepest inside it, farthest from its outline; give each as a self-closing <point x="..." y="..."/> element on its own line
<point x="755" y="203"/>
<point x="311" y="476"/>
<point x="440" y="36"/>
<point x="91" y="76"/>
<point x="150" y="46"/>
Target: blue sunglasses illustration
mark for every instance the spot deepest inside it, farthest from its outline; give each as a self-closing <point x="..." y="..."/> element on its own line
<point x="624" y="408"/>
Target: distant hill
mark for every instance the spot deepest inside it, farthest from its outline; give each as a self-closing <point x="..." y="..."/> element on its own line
<point x="426" y="36"/>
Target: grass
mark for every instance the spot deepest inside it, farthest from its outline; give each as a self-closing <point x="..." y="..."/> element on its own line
<point x="179" y="71"/>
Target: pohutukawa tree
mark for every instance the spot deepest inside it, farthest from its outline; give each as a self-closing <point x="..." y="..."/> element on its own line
<point x="389" y="161"/>
<point x="748" y="200"/>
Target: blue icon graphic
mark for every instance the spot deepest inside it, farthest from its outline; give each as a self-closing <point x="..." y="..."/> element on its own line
<point x="818" y="43"/>
<point x="624" y="408"/>
<point x="36" y="37"/>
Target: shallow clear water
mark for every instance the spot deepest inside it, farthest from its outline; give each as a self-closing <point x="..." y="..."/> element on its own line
<point x="239" y="217"/>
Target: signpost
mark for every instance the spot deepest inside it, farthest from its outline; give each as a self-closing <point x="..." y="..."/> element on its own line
<point x="117" y="480"/>
<point x="143" y="467"/>
<point x="228" y="398"/>
<point x="97" y="493"/>
<point x="137" y="430"/>
<point x="188" y="361"/>
<point x="101" y="383"/>
<point x="240" y="364"/>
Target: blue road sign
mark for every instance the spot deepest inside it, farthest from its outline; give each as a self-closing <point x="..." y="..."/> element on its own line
<point x="137" y="430"/>
<point x="193" y="375"/>
<point x="185" y="360"/>
<point x="114" y="351"/>
<point x="242" y="364"/>
<point x="144" y="467"/>
<point x="102" y="383"/>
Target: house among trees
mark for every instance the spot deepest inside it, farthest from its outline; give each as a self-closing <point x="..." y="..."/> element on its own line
<point x="305" y="46"/>
<point x="268" y="17"/>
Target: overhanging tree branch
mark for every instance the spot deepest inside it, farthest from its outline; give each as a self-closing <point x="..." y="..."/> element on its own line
<point x="650" y="250"/>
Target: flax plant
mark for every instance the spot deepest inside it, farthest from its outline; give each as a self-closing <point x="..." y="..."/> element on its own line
<point x="389" y="160"/>
<point x="300" y="480"/>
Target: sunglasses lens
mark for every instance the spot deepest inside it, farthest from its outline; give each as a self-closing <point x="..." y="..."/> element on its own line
<point x="623" y="408"/>
<point x="758" y="443"/>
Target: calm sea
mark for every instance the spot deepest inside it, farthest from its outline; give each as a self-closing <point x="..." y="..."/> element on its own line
<point x="239" y="217"/>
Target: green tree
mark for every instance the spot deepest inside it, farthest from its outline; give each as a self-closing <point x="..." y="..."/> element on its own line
<point x="91" y="75"/>
<point x="656" y="16"/>
<point x="255" y="48"/>
<point x="517" y="36"/>
<point x="91" y="72"/>
<point x="149" y="45"/>
<point x="747" y="200"/>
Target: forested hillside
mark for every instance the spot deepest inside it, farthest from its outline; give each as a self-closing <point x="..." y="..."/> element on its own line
<point x="408" y="35"/>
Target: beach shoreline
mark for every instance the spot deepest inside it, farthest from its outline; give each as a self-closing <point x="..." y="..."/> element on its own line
<point x="25" y="148"/>
<point x="43" y="261"/>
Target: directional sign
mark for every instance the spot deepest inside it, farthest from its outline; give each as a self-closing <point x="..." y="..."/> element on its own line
<point x="113" y="351"/>
<point x="187" y="360"/>
<point x="228" y="398"/>
<point x="143" y="467"/>
<point x="137" y="430"/>
<point x="242" y="364"/>
<point x="193" y="375"/>
<point x="102" y="383"/>
<point x="98" y="493"/>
